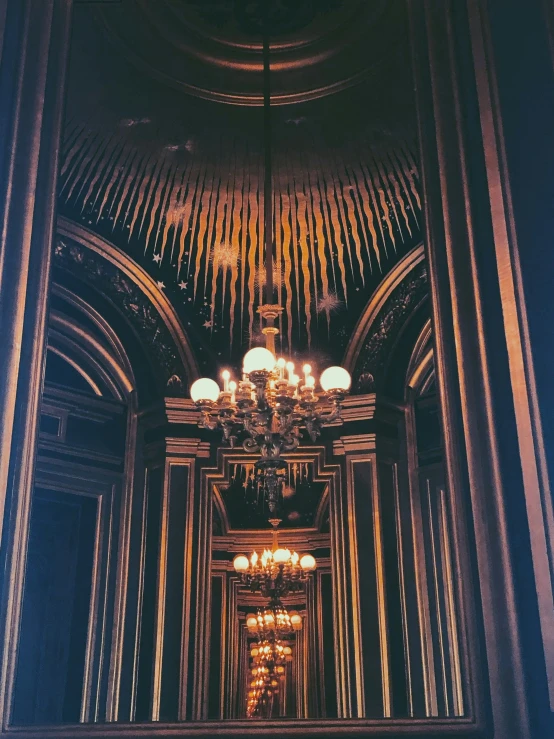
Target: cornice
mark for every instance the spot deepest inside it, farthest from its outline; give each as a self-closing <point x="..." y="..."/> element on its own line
<point x="175" y="411"/>
<point x="369" y="406"/>
<point x="355" y="443"/>
<point x="300" y="539"/>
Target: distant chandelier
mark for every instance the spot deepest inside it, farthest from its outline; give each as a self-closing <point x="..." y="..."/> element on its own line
<point x="273" y="622"/>
<point x="277" y="571"/>
<point x="269" y="658"/>
<point x="270" y="403"/>
<point x="274" y="574"/>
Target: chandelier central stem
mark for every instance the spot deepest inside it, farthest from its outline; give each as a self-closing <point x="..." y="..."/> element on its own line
<point x="270" y="404"/>
<point x="268" y="194"/>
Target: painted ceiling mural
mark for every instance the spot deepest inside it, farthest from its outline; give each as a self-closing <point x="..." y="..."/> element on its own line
<point x="177" y="183"/>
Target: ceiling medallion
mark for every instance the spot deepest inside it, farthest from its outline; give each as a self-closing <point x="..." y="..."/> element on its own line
<point x="268" y="408"/>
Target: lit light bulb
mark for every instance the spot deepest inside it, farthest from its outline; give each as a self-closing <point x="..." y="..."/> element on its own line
<point x="310" y="381"/>
<point x="204" y="389"/>
<point x="307" y="562"/>
<point x="251" y="621"/>
<point x="280" y="556"/>
<point x="306" y="369"/>
<point x="296" y="620"/>
<point x="290" y="370"/>
<point x="258" y="360"/>
<point x="226" y="375"/>
<point x="335" y="378"/>
<point x="294" y="558"/>
<point x="232" y="389"/>
<point x="240" y="563"/>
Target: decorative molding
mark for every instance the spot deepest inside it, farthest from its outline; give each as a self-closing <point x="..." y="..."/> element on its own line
<point x="366" y="407"/>
<point x="304" y="539"/>
<point x="187" y="447"/>
<point x="272" y="729"/>
<point x="221" y="477"/>
<point x="355" y="443"/>
<point x="318" y="53"/>
<point x="388" y="310"/>
<point x="135" y="294"/>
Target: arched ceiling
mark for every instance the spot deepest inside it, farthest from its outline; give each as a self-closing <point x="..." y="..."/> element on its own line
<point x="213" y="48"/>
<point x="175" y="179"/>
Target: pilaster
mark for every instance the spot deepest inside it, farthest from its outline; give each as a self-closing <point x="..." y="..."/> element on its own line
<point x="370" y="527"/>
<point x="494" y="443"/>
<point x="164" y="548"/>
<point x="34" y="43"/>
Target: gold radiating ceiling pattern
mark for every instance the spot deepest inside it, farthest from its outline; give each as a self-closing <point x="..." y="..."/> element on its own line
<point x="191" y="212"/>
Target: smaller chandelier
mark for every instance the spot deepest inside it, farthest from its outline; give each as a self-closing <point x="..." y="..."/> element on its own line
<point x="275" y="573"/>
<point x="268" y="670"/>
<point x="273" y="622"/>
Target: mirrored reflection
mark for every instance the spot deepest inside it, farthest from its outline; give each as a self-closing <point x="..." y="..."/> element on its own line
<point x="297" y="554"/>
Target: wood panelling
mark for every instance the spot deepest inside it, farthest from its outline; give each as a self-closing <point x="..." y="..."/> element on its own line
<point x="50" y="674"/>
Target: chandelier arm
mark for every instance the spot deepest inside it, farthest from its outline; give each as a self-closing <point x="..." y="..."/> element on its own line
<point x="291" y="446"/>
<point x="205" y="421"/>
<point x="249" y="446"/>
<point x="334" y="415"/>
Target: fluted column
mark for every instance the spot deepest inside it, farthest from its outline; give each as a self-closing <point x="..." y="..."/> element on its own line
<point x="34" y="42"/>
<point x="371" y="532"/>
<point x="485" y="98"/>
<point x="161" y="620"/>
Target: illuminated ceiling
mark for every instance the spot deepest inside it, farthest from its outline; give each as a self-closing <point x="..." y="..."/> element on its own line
<point x="175" y="179"/>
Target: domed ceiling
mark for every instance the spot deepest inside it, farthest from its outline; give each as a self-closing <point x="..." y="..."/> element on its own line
<point x="163" y="156"/>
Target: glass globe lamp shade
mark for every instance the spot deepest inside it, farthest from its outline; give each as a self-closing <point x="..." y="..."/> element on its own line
<point x="296" y="620"/>
<point x="241" y="563"/>
<point x="307" y="562"/>
<point x="287" y="650"/>
<point x="204" y="389"/>
<point x="335" y="378"/>
<point x="251" y="621"/>
<point x="258" y="360"/>
<point x="280" y="556"/>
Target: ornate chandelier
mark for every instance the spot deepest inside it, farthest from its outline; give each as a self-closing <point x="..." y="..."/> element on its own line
<point x="274" y="573"/>
<point x="277" y="571"/>
<point x="269" y="405"/>
<point x="273" y="622"/>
